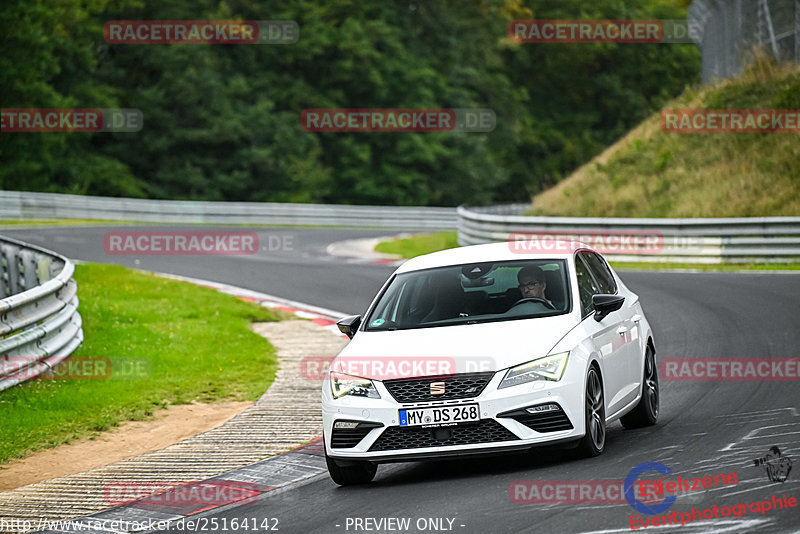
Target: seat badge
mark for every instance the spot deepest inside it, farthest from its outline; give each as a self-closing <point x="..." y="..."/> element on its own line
<point x="437" y="388"/>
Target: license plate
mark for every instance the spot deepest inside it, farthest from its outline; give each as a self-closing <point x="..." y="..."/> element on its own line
<point x="440" y="415"/>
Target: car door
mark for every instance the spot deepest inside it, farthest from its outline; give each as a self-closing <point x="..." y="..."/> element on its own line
<point x="604" y="338"/>
<point x="627" y="326"/>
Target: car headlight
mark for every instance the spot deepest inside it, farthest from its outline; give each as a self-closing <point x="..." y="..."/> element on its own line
<point x="548" y="368"/>
<point x="342" y="384"/>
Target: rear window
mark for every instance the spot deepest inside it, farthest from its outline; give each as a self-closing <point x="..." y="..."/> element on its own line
<point x="472" y="293"/>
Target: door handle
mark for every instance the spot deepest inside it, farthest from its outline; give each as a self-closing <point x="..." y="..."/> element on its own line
<point x="636" y="318"/>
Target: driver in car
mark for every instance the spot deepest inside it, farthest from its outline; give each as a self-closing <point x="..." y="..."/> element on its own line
<point x="532" y="283"/>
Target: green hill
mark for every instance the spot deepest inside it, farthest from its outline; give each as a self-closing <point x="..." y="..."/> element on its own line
<point x="650" y="173"/>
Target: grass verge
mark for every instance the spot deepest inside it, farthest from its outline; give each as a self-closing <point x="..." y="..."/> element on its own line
<point x="196" y="342"/>
<point x="651" y="173"/>
<point x="425" y="244"/>
<point x="419" y="244"/>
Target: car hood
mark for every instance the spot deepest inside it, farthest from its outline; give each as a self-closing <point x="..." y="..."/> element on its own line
<point x="469" y="348"/>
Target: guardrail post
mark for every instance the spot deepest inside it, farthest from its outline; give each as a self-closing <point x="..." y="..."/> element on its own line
<point x="11" y="269"/>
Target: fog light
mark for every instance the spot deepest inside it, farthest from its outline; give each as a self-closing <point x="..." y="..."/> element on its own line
<point x="341" y="425"/>
<point x="543" y="408"/>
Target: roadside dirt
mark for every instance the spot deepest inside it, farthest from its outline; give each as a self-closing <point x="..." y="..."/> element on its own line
<point x="130" y="439"/>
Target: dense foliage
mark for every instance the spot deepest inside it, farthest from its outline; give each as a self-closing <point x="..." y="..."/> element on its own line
<point x="221" y="122"/>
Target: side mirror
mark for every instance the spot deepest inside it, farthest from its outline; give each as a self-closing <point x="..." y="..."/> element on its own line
<point x="605" y="304"/>
<point x="348" y="325"/>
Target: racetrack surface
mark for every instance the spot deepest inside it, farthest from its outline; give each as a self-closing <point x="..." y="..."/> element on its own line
<point x="705" y="428"/>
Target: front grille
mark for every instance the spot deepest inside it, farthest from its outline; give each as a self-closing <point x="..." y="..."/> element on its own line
<point x="550" y="421"/>
<point x="484" y="431"/>
<point x="347" y="438"/>
<point x="458" y="386"/>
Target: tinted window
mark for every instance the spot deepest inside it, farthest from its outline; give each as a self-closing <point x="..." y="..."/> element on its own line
<point x="586" y="286"/>
<point x="473" y="293"/>
<point x="601" y="272"/>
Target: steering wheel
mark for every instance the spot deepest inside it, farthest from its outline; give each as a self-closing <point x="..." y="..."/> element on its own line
<point x="533" y="299"/>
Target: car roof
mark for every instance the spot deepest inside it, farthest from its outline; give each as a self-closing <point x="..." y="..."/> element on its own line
<point x="492" y="252"/>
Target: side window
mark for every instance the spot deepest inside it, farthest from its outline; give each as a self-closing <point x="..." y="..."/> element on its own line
<point x="601" y="272"/>
<point x="586" y="286"/>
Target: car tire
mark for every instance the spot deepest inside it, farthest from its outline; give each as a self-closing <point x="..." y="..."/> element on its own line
<point x="355" y="472"/>
<point x="593" y="443"/>
<point x="646" y="411"/>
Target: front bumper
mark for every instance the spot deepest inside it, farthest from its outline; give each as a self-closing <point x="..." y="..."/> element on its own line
<point x="505" y="425"/>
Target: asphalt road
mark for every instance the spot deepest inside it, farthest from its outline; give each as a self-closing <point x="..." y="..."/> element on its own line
<point x="292" y="262"/>
<point x="705" y="428"/>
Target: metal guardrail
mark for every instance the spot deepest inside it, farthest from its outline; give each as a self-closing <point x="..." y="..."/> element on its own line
<point x="39" y="320"/>
<point x="734" y="240"/>
<point x="744" y="239"/>
<point x="27" y="205"/>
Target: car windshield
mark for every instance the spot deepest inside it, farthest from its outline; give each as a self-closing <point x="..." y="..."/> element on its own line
<point x="472" y="293"/>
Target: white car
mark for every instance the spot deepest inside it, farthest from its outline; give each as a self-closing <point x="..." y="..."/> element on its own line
<point x="452" y="359"/>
